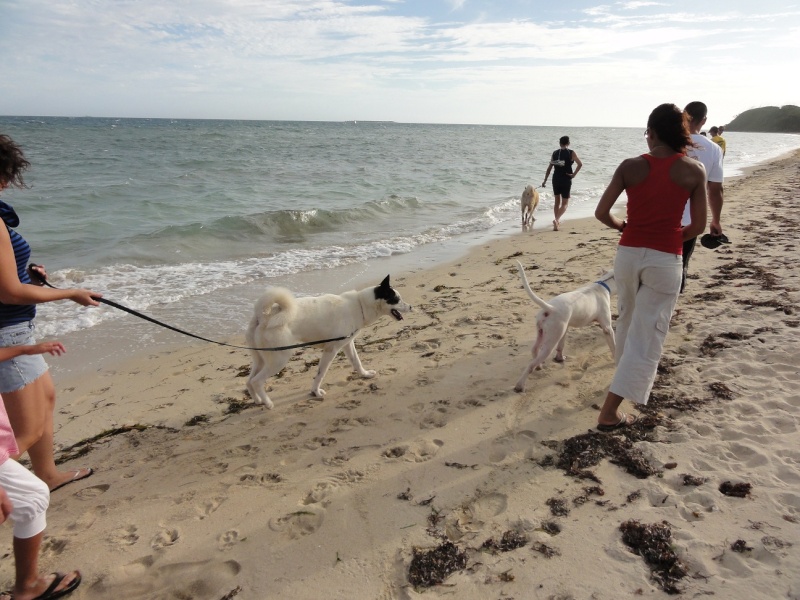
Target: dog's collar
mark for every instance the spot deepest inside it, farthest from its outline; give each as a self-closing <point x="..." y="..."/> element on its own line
<point x="605" y="285"/>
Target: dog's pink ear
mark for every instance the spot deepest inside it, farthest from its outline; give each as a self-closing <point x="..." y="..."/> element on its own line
<point x="385" y="282"/>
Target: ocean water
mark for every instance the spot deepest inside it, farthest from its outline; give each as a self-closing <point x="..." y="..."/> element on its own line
<point x="188" y="220"/>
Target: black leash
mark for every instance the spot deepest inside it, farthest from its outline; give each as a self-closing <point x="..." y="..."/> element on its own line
<point x="43" y="280"/>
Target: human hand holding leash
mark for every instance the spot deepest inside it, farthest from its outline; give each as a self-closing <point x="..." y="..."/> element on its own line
<point x="38" y="275"/>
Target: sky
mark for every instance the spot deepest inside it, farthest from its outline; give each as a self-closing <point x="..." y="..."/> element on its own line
<point x="503" y="62"/>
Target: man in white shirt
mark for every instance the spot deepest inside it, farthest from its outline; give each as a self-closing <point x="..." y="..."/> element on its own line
<point x="710" y="154"/>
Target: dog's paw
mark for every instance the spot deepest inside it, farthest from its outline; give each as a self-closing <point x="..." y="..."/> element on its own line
<point x="318" y="393"/>
<point x="519" y="388"/>
<point x="368" y="374"/>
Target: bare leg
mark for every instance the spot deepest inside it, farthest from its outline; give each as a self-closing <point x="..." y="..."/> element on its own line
<point x="556" y="209"/>
<point x="30" y="411"/>
<point x="608" y="413"/>
<point x="28" y="583"/>
<point x="559" y="209"/>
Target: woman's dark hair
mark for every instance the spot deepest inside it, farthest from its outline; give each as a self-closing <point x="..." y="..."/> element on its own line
<point x="12" y="162"/>
<point x="671" y="125"/>
<point x="564" y="141"/>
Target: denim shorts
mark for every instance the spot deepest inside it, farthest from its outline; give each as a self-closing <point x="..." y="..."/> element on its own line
<point x="22" y="370"/>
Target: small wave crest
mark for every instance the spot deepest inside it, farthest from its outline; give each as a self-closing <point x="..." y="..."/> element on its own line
<point x="146" y="287"/>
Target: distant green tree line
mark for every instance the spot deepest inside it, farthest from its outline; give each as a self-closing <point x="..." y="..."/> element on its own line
<point x="770" y="119"/>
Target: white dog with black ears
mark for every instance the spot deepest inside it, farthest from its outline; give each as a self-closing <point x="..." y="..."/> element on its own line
<point x="584" y="306"/>
<point x="284" y="322"/>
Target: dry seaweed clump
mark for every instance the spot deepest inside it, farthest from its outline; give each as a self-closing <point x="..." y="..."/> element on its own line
<point x="721" y="391"/>
<point x="588" y="449"/>
<point x="660" y="401"/>
<point x="510" y="540"/>
<point x="711" y="347"/>
<point x="558" y="507"/>
<point x="740" y="546"/>
<point x="653" y="543"/>
<point x="545" y="550"/>
<point x="551" y="527"/>
<point x="693" y="479"/>
<point x="432" y="567"/>
<point x="737" y="490"/>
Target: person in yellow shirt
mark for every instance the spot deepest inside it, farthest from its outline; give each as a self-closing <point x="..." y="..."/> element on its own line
<point x="716" y="136"/>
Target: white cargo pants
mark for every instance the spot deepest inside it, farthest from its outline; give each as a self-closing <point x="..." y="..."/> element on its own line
<point x="648" y="283"/>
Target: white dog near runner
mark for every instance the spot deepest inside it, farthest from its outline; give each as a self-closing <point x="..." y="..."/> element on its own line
<point x="282" y="320"/>
<point x="528" y="203"/>
<point x="584" y="306"/>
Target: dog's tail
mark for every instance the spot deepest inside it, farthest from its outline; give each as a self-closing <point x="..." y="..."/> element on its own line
<point x="528" y="289"/>
<point x="275" y="308"/>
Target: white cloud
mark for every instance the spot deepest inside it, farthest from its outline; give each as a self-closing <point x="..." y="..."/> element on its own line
<point x="635" y="5"/>
<point x="319" y="59"/>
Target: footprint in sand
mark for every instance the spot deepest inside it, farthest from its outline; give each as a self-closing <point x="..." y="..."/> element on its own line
<point x="789" y="501"/>
<point x="419" y="451"/>
<point x="228" y="540"/>
<point x="93" y="492"/>
<point x="510" y="444"/>
<point x="469" y="402"/>
<point x="53" y="547"/>
<point x="244" y="450"/>
<point x="217" y="468"/>
<point x="788" y="474"/>
<point x="322" y="491"/>
<point x="165" y="538"/>
<point x="260" y="479"/>
<point x="342" y="456"/>
<point x="285" y="449"/>
<point x="185" y="497"/>
<point x="351" y="404"/>
<point x="319" y="441"/>
<point x="292" y="431"/>
<point x="87" y="519"/>
<point x="424" y="450"/>
<point x="395" y="451"/>
<point x="300" y="523"/>
<point x="347" y="423"/>
<point x="127" y="536"/>
<point x="473" y="516"/>
<point x="143" y="580"/>
<point x="209" y="506"/>
<point x="433" y="420"/>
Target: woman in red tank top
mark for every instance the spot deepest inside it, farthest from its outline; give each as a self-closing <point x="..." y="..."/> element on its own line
<point x="648" y="263"/>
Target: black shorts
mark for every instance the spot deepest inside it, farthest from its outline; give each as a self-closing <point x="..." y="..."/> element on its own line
<point x="561" y="187"/>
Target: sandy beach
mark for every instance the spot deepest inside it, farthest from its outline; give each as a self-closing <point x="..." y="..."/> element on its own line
<point x="199" y="494"/>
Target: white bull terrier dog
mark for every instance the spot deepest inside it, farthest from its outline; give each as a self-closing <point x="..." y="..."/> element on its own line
<point x="584" y="306"/>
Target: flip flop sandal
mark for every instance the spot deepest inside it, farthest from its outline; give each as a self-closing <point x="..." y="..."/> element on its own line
<point x="623" y="422"/>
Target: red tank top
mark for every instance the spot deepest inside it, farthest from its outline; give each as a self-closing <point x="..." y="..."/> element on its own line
<point x="655" y="207"/>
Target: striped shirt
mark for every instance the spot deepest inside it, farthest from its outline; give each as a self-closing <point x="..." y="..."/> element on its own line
<point x="12" y="314"/>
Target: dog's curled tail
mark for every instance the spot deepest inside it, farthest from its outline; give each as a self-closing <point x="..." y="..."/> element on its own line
<point x="275" y="308"/>
<point x="528" y="289"/>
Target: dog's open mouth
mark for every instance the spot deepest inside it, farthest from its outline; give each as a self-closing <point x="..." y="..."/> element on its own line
<point x="396" y="314"/>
